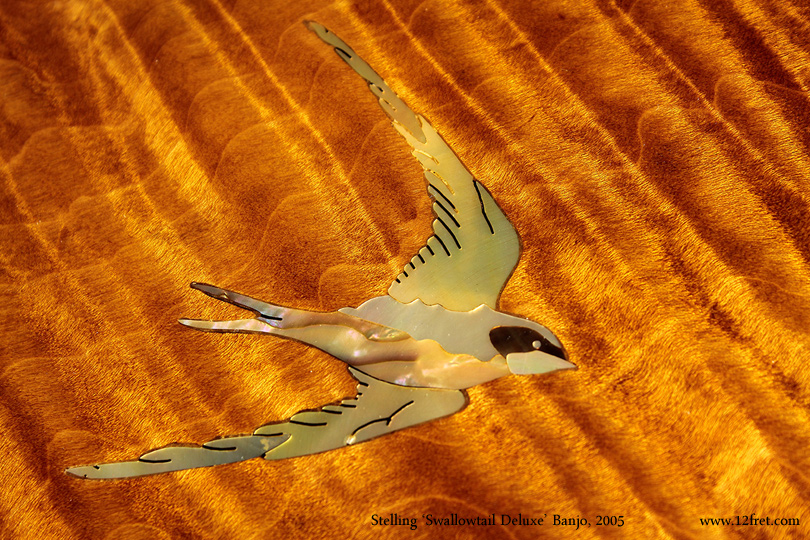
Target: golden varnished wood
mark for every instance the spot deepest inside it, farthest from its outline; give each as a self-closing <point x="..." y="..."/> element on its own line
<point x="652" y="156"/>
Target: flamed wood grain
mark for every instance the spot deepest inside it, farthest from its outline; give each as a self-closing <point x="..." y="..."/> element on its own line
<point x="653" y="157"/>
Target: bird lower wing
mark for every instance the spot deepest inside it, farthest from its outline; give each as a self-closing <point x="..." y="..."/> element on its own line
<point x="379" y="408"/>
<point x="180" y="458"/>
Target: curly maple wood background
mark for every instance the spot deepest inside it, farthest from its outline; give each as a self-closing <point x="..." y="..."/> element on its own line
<point x="654" y="157"/>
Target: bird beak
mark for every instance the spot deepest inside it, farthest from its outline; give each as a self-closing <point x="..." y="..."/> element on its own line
<point x="536" y="362"/>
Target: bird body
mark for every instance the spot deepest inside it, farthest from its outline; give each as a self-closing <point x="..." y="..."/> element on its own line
<point x="466" y="336"/>
<point x="413" y="351"/>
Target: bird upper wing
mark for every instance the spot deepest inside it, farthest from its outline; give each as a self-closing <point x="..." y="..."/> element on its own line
<point x="474" y="248"/>
<point x="378" y="408"/>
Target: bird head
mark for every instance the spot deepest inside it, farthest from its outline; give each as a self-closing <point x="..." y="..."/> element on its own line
<point x="530" y="349"/>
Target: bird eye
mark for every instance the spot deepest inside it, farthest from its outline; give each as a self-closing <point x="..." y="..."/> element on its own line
<point x="518" y="339"/>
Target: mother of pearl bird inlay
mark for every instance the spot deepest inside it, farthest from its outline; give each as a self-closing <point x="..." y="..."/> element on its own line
<point x="412" y="351"/>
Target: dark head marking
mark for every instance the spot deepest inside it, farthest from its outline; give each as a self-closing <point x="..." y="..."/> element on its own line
<point x="512" y="339"/>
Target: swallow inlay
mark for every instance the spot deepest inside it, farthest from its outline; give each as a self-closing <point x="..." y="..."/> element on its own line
<point x="412" y="351"/>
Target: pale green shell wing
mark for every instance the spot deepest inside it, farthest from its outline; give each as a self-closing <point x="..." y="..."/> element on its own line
<point x="379" y="408"/>
<point x="474" y="247"/>
<point x="180" y="458"/>
<point x="394" y="107"/>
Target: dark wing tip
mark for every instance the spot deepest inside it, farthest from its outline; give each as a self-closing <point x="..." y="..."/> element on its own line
<point x="210" y="290"/>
